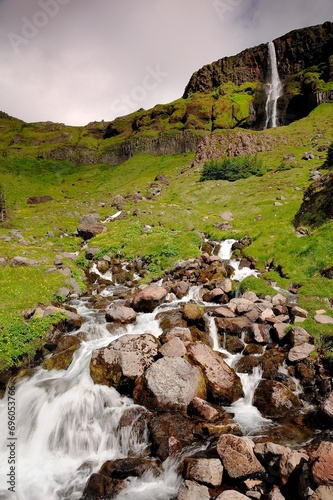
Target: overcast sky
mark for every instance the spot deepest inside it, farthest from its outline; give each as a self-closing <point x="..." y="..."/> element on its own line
<point x="77" y="61"/>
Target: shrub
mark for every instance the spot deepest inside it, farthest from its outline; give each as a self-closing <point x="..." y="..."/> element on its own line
<point x="232" y="169"/>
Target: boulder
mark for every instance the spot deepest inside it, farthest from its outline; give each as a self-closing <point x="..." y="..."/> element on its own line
<point x="190" y="490"/>
<point x="231" y="495"/>
<point x="275" y="494"/>
<point x="63" y="355"/>
<point x="149" y="298"/>
<point x="118" y="202"/>
<point x="223" y="384"/>
<point x="299" y="312"/>
<point x="169" y="384"/>
<point x="208" y="471"/>
<point x="204" y="410"/>
<point x="323" y="493"/>
<point x="234" y="326"/>
<point x="289" y="462"/>
<point x="261" y="333"/>
<point x="193" y="312"/>
<point x="123" y="468"/>
<point x="237" y="456"/>
<point x="170" y="433"/>
<point x="122" y="361"/>
<point x="174" y="348"/>
<point x="224" y="312"/>
<point x="183" y="333"/>
<point x="89" y="227"/>
<point x="215" y="295"/>
<point x="120" y="314"/>
<point x="299" y="336"/>
<point x="274" y="400"/>
<point x="100" y="486"/>
<point x="321" y="462"/>
<point x="280" y="330"/>
<point x="300" y="352"/>
<point x="23" y="261"/>
<point x="180" y="289"/>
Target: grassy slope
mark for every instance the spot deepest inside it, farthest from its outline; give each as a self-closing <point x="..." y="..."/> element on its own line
<point x="184" y="207"/>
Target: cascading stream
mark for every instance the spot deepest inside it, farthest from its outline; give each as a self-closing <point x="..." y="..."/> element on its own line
<point x="274" y="89"/>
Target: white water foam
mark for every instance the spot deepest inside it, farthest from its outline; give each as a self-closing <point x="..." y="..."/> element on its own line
<point x="274" y="89"/>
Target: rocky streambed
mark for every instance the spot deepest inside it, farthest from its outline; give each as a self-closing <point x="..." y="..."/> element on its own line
<point x="177" y="390"/>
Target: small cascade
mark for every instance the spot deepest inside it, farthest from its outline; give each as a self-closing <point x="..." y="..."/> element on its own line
<point x="226" y="252"/>
<point x="274" y="89"/>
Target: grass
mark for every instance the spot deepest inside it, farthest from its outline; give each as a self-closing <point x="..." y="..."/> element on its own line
<point x="263" y="207"/>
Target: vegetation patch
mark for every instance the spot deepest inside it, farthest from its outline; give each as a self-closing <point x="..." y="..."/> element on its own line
<point x="232" y="169"/>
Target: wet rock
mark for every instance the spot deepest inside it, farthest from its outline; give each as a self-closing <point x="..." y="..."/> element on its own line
<point x="122" y="361"/>
<point x="271" y="361"/>
<point x="208" y="471"/>
<point x="180" y="289"/>
<point x="300" y="352"/>
<point x="261" y="333"/>
<point x="89" y="227"/>
<point x="123" y="468"/>
<point x="216" y="295"/>
<point x="191" y="490"/>
<point x="63" y="355"/>
<point x="274" y="400"/>
<point x="193" y="312"/>
<point x="170" y="320"/>
<point x="183" y="333"/>
<point x="174" y="348"/>
<point x="252" y="349"/>
<point x="321" y="464"/>
<point x="204" y="410"/>
<point x="169" y="384"/>
<point x="132" y="427"/>
<point x="223" y="384"/>
<point x="233" y="344"/>
<point x="237" y="456"/>
<point x="149" y="298"/>
<point x="247" y="364"/>
<point x="170" y="433"/>
<point x="100" y="486"/>
<point x="234" y="326"/>
<point x="120" y="314"/>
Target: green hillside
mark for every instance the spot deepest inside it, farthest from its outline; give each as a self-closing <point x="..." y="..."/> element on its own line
<point x="263" y="207"/>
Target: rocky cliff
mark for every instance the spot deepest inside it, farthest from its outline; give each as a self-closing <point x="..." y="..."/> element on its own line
<point x="296" y="51"/>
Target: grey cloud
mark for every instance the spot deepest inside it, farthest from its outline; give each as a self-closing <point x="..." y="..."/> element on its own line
<point x="93" y="60"/>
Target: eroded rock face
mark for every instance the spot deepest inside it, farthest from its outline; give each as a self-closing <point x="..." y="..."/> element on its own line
<point x="237" y="456"/>
<point x="274" y="400"/>
<point x="122" y="361"/>
<point x="149" y="298"/>
<point x="169" y="384"/>
<point x="223" y="384"/>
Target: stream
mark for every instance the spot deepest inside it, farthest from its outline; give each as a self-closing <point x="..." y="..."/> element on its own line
<point x="66" y="426"/>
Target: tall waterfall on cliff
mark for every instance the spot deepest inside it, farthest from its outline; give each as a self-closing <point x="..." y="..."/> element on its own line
<point x="274" y="88"/>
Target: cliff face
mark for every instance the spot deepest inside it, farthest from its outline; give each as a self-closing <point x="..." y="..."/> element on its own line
<point x="296" y="51"/>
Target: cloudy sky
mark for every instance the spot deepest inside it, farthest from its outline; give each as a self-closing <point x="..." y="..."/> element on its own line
<point x="77" y="61"/>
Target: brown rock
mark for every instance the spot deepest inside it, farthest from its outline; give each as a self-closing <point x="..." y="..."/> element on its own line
<point x="149" y="298"/>
<point x="323" y="493"/>
<point x="299" y="336"/>
<point x="275" y="494"/>
<point x="123" y="468"/>
<point x="169" y="384"/>
<point x="120" y="314"/>
<point x="299" y="312"/>
<point x="174" y="348"/>
<point x="180" y="289"/>
<point x="89" y="227"/>
<point x="224" y="312"/>
<point x="100" y="486"/>
<point x="122" y="361"/>
<point x="183" y="333"/>
<point x="234" y="326"/>
<point x="323" y="320"/>
<point x="190" y="490"/>
<point x="201" y="408"/>
<point x="327" y="408"/>
<point x="289" y="462"/>
<point x="280" y="330"/>
<point x="237" y="456"/>
<point x="170" y="432"/>
<point x="34" y="200"/>
<point x="204" y="470"/>
<point x="300" y="352"/>
<point x="274" y="400"/>
<point x="261" y="333"/>
<point x="118" y="202"/>
<point x="232" y="495"/>
<point x="322" y="464"/>
<point x="223" y="384"/>
<point x="193" y="312"/>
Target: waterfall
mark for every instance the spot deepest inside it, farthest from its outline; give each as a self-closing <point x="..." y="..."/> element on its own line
<point x="274" y="88"/>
